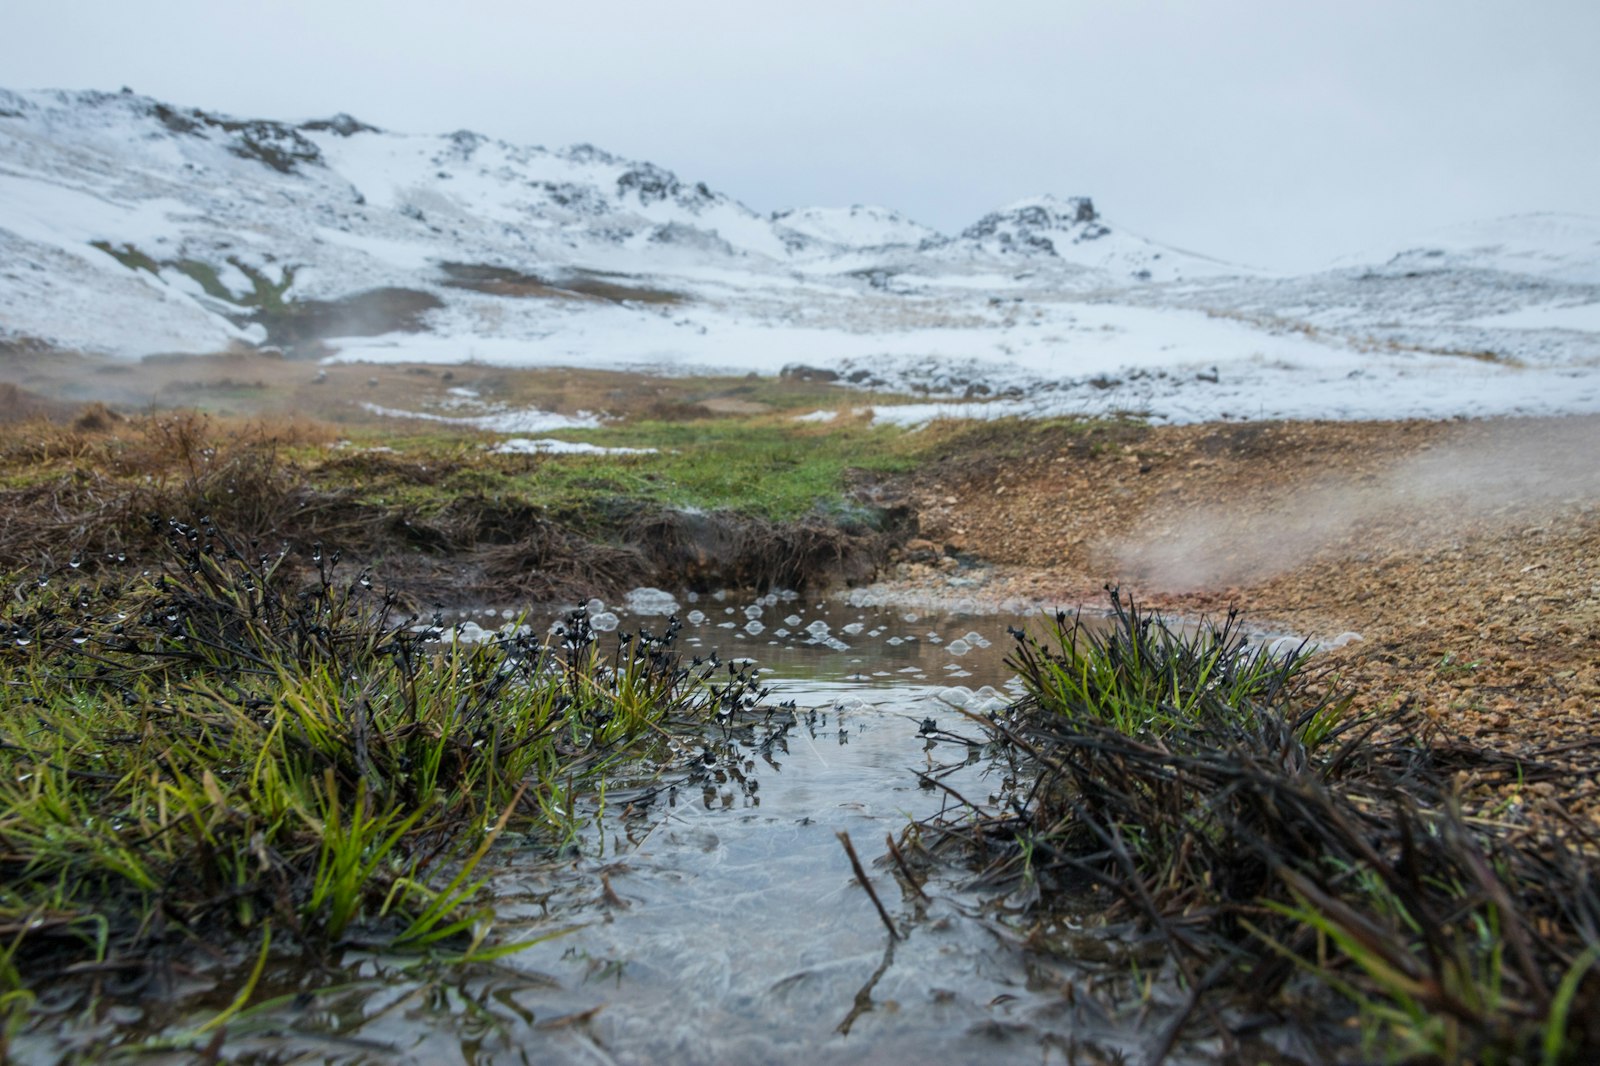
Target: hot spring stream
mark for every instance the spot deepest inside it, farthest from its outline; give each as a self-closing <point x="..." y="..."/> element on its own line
<point x="722" y="922"/>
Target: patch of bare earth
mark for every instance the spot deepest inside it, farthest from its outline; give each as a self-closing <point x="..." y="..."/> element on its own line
<point x="1466" y="555"/>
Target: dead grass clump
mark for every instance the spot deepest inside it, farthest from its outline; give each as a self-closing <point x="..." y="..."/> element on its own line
<point x="96" y="418"/>
<point x="553" y="565"/>
<point x="94" y="488"/>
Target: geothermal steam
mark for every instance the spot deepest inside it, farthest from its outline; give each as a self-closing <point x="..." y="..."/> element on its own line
<point x="1518" y="473"/>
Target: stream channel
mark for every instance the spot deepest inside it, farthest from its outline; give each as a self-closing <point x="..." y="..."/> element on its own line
<point x="724" y="922"/>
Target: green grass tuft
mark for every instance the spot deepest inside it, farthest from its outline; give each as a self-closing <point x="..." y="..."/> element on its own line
<point x="204" y="752"/>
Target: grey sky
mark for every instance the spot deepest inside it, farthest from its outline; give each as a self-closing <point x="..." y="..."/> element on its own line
<point x="1277" y="132"/>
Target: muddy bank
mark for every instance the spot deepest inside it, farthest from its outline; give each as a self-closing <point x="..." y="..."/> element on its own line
<point x="473" y="551"/>
<point x="477" y="556"/>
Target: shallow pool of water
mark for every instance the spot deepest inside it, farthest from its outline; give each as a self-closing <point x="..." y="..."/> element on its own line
<point x="721" y="920"/>
<point x="726" y="923"/>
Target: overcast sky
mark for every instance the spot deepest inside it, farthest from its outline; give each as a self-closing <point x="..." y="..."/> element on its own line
<point x="1274" y="132"/>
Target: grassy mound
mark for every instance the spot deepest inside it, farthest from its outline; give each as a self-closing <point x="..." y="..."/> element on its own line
<point x="448" y="518"/>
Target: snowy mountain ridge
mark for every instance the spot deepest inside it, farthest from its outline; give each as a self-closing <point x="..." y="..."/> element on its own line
<point x="132" y="226"/>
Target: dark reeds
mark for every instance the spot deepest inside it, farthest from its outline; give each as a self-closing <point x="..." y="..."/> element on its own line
<point x="1293" y="863"/>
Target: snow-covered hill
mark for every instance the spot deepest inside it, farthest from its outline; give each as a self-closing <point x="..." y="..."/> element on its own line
<point x="1559" y="247"/>
<point x="132" y="226"/>
<point x="1071" y="232"/>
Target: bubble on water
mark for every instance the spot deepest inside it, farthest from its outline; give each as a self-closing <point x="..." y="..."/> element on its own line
<point x="603" y="621"/>
<point x="958" y="647"/>
<point x="894" y="642"/>
<point x="697" y="618"/>
<point x="780" y="632"/>
<point x="508" y="614"/>
<point x="911" y="670"/>
<point x="793" y="620"/>
<point x="753" y="611"/>
<point x="976" y="639"/>
<point x="692" y="597"/>
<point x="651" y="601"/>
<point x="788" y="595"/>
<point x="754" y="627"/>
<point x="769" y="600"/>
<point x="986" y="699"/>
<point x="720" y="595"/>
<point x="817" y="628"/>
<point x="724" y="625"/>
<point x="958" y="672"/>
<point x="853" y="629"/>
<point x="909" y="617"/>
<point x="595" y="606"/>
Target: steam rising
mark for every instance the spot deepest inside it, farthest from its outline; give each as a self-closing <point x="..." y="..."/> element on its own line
<point x="1488" y="474"/>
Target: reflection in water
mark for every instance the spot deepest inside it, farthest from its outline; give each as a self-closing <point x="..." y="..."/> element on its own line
<point x="732" y="929"/>
<point x="719" y="919"/>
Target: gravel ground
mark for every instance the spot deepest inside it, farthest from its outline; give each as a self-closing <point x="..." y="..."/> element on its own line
<point x="1466" y="555"/>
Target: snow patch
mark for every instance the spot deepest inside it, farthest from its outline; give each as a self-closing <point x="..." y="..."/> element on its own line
<point x="563" y="447"/>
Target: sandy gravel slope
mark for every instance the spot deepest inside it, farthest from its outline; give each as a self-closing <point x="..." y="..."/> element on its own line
<point x="1465" y="554"/>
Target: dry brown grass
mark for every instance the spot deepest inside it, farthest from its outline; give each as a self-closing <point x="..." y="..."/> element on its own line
<point x="89" y="487"/>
